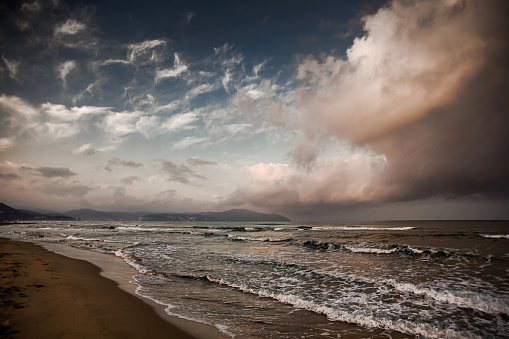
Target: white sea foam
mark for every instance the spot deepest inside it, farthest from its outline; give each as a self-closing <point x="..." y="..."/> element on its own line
<point x="415" y="250"/>
<point x="481" y="313"/>
<point x="224" y="329"/>
<point x="386" y="251"/>
<point x="138" y="292"/>
<point x="488" y="303"/>
<point x="495" y="236"/>
<point x="73" y="237"/>
<point x="491" y="303"/>
<point x="369" y="250"/>
<point x="164" y="230"/>
<point x="131" y="260"/>
<point x="139" y="229"/>
<point x="362" y="228"/>
<point x="362" y="317"/>
<point x="238" y="237"/>
<point x="169" y="310"/>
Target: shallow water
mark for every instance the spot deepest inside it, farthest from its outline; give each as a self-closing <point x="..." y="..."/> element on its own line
<point x="432" y="279"/>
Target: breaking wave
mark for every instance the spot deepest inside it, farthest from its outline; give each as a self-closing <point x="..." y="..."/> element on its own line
<point x="495" y="236"/>
<point x="484" y="302"/>
<point x="360" y="317"/>
<point x="362" y="228"/>
<point x="384" y="249"/>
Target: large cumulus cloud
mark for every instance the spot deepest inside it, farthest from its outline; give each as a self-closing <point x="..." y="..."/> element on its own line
<point x="425" y="90"/>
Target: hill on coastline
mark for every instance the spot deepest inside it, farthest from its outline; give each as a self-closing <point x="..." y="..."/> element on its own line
<point x="240" y="215"/>
<point x="9" y="213"/>
<point x="230" y="215"/>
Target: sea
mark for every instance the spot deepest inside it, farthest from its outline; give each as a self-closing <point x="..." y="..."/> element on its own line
<point x="398" y="279"/>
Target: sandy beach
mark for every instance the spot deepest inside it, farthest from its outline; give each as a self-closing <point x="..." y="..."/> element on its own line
<point x="46" y="295"/>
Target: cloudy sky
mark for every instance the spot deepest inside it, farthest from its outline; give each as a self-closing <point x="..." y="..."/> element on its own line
<point x="319" y="110"/>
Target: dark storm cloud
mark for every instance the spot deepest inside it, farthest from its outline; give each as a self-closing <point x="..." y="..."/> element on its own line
<point x="440" y="127"/>
<point x="422" y="96"/>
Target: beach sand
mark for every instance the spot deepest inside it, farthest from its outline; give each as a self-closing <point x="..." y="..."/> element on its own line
<point x="47" y="295"/>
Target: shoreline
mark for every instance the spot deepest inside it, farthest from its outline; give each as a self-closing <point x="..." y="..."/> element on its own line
<point x="54" y="290"/>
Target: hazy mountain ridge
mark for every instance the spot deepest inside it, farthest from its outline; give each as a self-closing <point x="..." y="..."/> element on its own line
<point x="9" y="213"/>
<point x="230" y="215"/>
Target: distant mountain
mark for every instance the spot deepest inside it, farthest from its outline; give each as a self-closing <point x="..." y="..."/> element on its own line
<point x="9" y="213"/>
<point x="39" y="214"/>
<point x="89" y="214"/>
<point x="231" y="215"/>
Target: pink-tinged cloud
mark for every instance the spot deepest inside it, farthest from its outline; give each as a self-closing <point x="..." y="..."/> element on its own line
<point x="333" y="181"/>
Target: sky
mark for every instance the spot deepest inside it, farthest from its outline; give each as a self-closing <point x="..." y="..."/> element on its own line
<point x="317" y="110"/>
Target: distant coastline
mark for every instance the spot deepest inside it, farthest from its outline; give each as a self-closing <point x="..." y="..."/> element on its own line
<point x="239" y="215"/>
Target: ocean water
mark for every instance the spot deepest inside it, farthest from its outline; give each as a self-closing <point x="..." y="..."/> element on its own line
<point x="426" y="279"/>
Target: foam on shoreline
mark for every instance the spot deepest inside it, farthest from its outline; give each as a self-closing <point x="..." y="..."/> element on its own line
<point x="115" y="269"/>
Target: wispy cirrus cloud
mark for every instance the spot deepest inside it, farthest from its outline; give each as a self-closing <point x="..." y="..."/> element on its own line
<point x="139" y="49"/>
<point x="178" y="68"/>
<point x="70" y="27"/>
<point x="180" y="121"/>
<point x="119" y="78"/>
<point x="65" y="69"/>
<point x="188" y="141"/>
<point x="12" y="67"/>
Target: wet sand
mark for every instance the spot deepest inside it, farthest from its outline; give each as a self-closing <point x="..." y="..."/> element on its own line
<point x="47" y="295"/>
